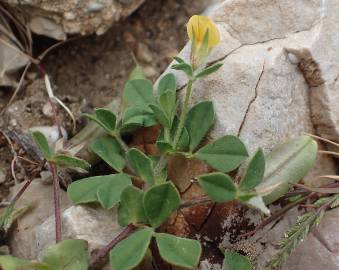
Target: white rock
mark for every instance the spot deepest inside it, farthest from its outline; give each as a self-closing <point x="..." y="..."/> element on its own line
<point x="258" y="93"/>
<point x="51" y="133"/>
<point x="95" y="225"/>
<point x="74" y="17"/>
<point x="22" y="241"/>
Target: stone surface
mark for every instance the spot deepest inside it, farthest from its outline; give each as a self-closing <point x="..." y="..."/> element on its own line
<point x="320" y="250"/>
<point x="23" y="242"/>
<point x="93" y="224"/>
<point x="259" y="94"/>
<point x="58" y="18"/>
<point x="267" y="96"/>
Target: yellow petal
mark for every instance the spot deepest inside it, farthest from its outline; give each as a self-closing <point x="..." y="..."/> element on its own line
<point x="197" y="27"/>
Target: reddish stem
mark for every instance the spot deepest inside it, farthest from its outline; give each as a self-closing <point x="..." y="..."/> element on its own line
<point x="104" y="251"/>
<point x="20" y="192"/>
<point x="56" y="195"/>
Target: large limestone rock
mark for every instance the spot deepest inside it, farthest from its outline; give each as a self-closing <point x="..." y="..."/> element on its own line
<point x="266" y="94"/>
<point x="57" y="18"/>
<point x="260" y="93"/>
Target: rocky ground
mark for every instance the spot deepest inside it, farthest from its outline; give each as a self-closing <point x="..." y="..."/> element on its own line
<point x="263" y="93"/>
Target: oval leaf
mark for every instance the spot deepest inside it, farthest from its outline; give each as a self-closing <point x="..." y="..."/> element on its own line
<point x="138" y="93"/>
<point x="159" y="202"/>
<point x="109" y="150"/>
<point x="131" y="209"/>
<point x="218" y="186"/>
<point x="128" y="253"/>
<point x="199" y="120"/>
<point x="167" y="82"/>
<point x="287" y="163"/>
<point x="107" y="118"/>
<point x="235" y="261"/>
<point x="178" y="251"/>
<point x="109" y="193"/>
<point x="86" y="190"/>
<point x="254" y="172"/>
<point x="224" y="154"/>
<point x="141" y="165"/>
<point x="66" y="255"/>
<point x="12" y="263"/>
<point x="70" y="162"/>
<point x="41" y="141"/>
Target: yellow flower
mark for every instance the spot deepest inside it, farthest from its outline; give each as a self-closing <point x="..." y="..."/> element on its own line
<point x="197" y="27"/>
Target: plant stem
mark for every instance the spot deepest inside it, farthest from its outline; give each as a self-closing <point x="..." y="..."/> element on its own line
<point x="20" y="192"/>
<point x="183" y="115"/>
<point x="56" y="194"/>
<point x="160" y="165"/>
<point x="121" y="142"/>
<point x="103" y="252"/>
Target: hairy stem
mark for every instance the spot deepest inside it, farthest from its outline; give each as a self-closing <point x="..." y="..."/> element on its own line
<point x="121" y="142"/>
<point x="183" y="114"/>
<point x="104" y="251"/>
<point x="56" y="195"/>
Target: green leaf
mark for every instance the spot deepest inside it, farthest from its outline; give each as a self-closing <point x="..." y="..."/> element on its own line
<point x="109" y="193"/>
<point x="160" y="115"/>
<point x="254" y="172"/>
<point x="224" y="154"/>
<point x="131" y="209"/>
<point x="167" y="82"/>
<point x="136" y="73"/>
<point x="287" y="163"/>
<point x="209" y="70"/>
<point x="235" y="261"/>
<point x="178" y="251"/>
<point x="69" y="254"/>
<point x="138" y="117"/>
<point x="87" y="190"/>
<point x="199" y="120"/>
<point x="107" y="118"/>
<point x="109" y="150"/>
<point x="164" y="147"/>
<point x="141" y="165"/>
<point x="13" y="263"/>
<point x="138" y="93"/>
<point x="70" y="162"/>
<point x="218" y="186"/>
<point x="41" y="141"/>
<point x="167" y="101"/>
<point x="178" y="59"/>
<point x="159" y="202"/>
<point x="184" y="67"/>
<point x="129" y="253"/>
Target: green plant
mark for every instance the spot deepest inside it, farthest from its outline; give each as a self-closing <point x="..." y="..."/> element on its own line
<point x="142" y="210"/>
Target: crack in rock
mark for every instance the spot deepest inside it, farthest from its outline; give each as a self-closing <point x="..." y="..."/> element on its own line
<point x="252" y="100"/>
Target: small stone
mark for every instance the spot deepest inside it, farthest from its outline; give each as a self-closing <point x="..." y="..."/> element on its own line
<point x="70" y="16"/>
<point x="47" y="110"/>
<point x="150" y="71"/>
<point x="2" y="176"/>
<point x="46" y="177"/>
<point x="51" y="133"/>
<point x="93" y="224"/>
<point x="95" y="7"/>
<point x="128" y="37"/>
<point x="144" y="54"/>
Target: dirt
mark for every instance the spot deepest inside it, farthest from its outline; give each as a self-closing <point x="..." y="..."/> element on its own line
<point x="89" y="71"/>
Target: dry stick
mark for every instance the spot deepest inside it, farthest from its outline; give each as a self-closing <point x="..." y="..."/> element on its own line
<point x="104" y="251"/>
<point x="56" y="195"/>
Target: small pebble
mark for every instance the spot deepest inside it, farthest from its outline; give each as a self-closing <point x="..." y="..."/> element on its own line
<point x="95" y="7"/>
<point x="46" y="177"/>
<point x="144" y="54"/>
<point x="51" y="133"/>
<point x="149" y="71"/>
<point x="2" y="176"/>
<point x="47" y="110"/>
